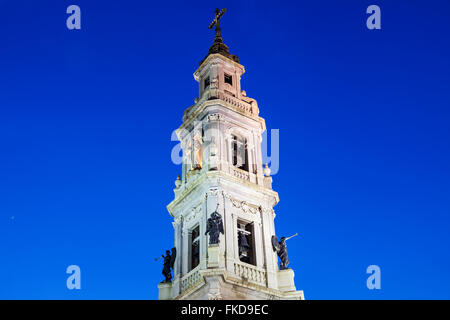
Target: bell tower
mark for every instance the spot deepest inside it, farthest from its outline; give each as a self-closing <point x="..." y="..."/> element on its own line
<point x="223" y="176"/>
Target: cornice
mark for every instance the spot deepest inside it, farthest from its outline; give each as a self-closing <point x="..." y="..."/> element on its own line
<point x="214" y="58"/>
<point x="182" y="198"/>
<point x="202" y="105"/>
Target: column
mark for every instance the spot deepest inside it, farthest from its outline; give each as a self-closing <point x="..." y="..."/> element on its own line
<point x="271" y="264"/>
<point x="259" y="245"/>
<point x="203" y="238"/>
<point x="177" y="267"/>
<point x="229" y="235"/>
<point x="185" y="251"/>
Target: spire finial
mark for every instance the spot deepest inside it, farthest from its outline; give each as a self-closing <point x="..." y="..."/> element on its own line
<point x="218" y="46"/>
<point x="216" y="22"/>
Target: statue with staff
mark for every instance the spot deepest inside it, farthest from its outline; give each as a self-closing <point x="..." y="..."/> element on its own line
<point x="169" y="261"/>
<point x="280" y="248"/>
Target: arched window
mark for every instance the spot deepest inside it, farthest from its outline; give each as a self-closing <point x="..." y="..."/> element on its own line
<point x="239" y="152"/>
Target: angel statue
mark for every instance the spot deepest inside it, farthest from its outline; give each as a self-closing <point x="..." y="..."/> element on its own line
<point x="169" y="261"/>
<point x="280" y="248"/>
<point x="214" y="227"/>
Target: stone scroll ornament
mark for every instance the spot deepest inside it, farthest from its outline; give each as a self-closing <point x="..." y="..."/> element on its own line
<point x="214" y="226"/>
<point x="169" y="261"/>
<point x="280" y="248"/>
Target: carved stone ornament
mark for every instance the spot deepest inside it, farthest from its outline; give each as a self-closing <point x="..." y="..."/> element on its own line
<point x="243" y="205"/>
<point x="213" y="192"/>
<point x="215" y="117"/>
<point x="215" y="296"/>
<point x="266" y="210"/>
<point x="178" y="219"/>
<point x="194" y="213"/>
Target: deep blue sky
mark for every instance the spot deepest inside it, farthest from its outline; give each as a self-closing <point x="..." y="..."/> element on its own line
<point x="86" y="118"/>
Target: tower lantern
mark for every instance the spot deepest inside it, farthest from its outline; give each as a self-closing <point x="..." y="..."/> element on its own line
<point x="223" y="215"/>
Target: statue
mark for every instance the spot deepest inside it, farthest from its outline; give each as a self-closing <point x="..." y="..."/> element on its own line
<point x="169" y="261"/>
<point x="214" y="227"/>
<point x="280" y="248"/>
<point x="198" y="151"/>
<point x="187" y="152"/>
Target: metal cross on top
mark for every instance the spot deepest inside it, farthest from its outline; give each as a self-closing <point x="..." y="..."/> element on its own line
<point x="216" y="22"/>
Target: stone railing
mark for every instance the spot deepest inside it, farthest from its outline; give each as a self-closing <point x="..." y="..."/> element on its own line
<point x="242" y="105"/>
<point x="241" y="174"/>
<point x="250" y="273"/>
<point x="215" y="94"/>
<point x="190" y="279"/>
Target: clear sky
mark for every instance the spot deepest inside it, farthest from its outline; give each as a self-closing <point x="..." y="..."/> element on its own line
<point x="86" y="119"/>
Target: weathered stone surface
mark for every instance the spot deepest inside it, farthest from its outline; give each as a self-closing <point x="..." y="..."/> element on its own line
<point x="165" y="291"/>
<point x="286" y="280"/>
<point x="213" y="256"/>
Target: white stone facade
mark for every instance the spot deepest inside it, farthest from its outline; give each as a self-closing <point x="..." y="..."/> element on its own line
<point x="222" y="168"/>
